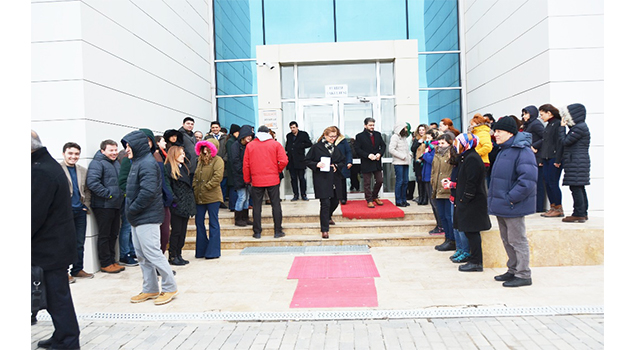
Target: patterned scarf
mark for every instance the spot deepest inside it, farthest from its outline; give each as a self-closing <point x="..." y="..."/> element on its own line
<point x="464" y="142"/>
<point x="329" y="146"/>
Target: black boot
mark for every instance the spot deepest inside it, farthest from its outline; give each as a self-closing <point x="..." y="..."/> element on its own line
<point x="246" y="219"/>
<point x="446" y="246"/>
<point x="238" y="219"/>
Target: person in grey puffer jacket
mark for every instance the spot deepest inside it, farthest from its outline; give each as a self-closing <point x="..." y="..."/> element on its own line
<point x="145" y="212"/>
<point x="575" y="158"/>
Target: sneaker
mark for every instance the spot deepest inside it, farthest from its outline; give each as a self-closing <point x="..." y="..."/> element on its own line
<point x="111" y="269"/>
<point x="83" y="274"/>
<point x="165" y="297"/>
<point x="462" y="258"/>
<point x="437" y="231"/>
<point x="143" y="297"/>
<point x="457" y="253"/>
<point x="128" y="261"/>
<point x="71" y="279"/>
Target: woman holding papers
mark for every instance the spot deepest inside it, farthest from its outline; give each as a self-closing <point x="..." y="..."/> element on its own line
<point x="326" y="161"/>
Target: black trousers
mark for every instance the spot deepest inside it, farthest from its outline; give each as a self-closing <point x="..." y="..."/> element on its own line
<point x="108" y="223"/>
<point x="326" y="208"/>
<point x="298" y="180"/>
<point x="179" y="226"/>
<point x="474" y="241"/>
<point x="61" y="310"/>
<point x="276" y="209"/>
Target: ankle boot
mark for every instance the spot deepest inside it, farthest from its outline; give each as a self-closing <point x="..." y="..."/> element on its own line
<point x="246" y="219"/>
<point x="555" y="212"/>
<point x="238" y="219"/>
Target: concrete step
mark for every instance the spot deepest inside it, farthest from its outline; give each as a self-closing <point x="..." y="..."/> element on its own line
<point x="385" y="239"/>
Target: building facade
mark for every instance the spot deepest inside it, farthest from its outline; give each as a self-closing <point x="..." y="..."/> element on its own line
<point x="103" y="68"/>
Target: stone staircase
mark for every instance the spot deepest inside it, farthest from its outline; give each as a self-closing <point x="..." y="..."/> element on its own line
<point x="301" y="225"/>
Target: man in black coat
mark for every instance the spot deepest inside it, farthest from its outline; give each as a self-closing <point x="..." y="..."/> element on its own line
<point x="53" y="243"/>
<point x="370" y="146"/>
<point x="297" y="142"/>
<point x="188" y="124"/>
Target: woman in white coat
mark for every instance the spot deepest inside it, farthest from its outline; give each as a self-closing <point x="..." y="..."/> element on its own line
<point x="401" y="158"/>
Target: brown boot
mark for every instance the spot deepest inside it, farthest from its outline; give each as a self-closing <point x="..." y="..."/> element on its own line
<point x="556" y="213"/>
<point x="551" y="209"/>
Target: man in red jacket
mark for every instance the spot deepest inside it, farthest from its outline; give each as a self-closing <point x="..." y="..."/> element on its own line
<point x="263" y="162"/>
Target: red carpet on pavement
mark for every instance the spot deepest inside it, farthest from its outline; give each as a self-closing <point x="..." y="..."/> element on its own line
<point x="358" y="209"/>
<point x="335" y="292"/>
<point x="333" y="266"/>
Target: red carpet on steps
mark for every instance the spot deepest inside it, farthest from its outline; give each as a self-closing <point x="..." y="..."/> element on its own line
<point x="358" y="209"/>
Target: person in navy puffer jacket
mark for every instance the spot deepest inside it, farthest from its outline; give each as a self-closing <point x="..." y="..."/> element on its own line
<point x="575" y="158"/>
<point x="512" y="196"/>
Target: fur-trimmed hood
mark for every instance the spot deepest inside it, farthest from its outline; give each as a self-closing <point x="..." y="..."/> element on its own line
<point x="573" y="114"/>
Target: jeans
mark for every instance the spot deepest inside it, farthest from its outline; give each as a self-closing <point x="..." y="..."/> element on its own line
<point x="298" y="179"/>
<point x="242" y="199"/>
<point x="444" y="208"/>
<point x="146" y="239"/>
<point x="580" y="201"/>
<point x="402" y="181"/>
<point x="125" y="242"/>
<point x="540" y="191"/>
<point x="461" y="242"/>
<point x="551" y="176"/>
<point x="80" y="224"/>
<point x="208" y="243"/>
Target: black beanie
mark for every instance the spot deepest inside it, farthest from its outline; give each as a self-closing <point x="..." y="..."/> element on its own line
<point x="234" y="128"/>
<point x="507" y="124"/>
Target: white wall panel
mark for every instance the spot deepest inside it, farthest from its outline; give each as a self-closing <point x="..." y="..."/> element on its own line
<point x="576" y="65"/>
<point x="575" y="7"/>
<point x="199" y="24"/>
<point x="57" y="100"/>
<point x="60" y="60"/>
<point x="576" y="31"/>
<point x="55" y="21"/>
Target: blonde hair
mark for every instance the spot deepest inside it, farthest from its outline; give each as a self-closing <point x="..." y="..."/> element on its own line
<point x="171" y="159"/>
<point x="328" y="130"/>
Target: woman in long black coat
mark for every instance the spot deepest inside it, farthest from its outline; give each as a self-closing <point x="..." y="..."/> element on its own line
<point x="471" y="199"/>
<point x="327" y="181"/>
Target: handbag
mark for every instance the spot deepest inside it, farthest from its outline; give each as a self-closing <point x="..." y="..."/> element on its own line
<point x="38" y="289"/>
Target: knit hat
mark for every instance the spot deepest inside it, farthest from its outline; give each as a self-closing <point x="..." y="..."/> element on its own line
<point x="507" y="124"/>
<point x="234" y="128"/>
<point x="465" y="141"/>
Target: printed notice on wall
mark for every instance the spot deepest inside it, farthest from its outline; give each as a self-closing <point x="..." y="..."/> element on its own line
<point x="336" y="90"/>
<point x="269" y="118"/>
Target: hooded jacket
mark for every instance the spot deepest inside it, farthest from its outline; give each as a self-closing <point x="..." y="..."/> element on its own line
<point x="399" y="147"/>
<point x="576" y="161"/>
<point x="102" y="181"/>
<point x="263" y="161"/>
<point x="512" y="191"/>
<point x="484" y="146"/>
<point x="144" y="203"/>
<point x="535" y="127"/>
<point x="237" y="153"/>
<point x="207" y="178"/>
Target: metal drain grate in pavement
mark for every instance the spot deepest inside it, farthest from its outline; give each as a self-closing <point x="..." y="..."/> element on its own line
<point x="461" y="312"/>
<point x="306" y="249"/>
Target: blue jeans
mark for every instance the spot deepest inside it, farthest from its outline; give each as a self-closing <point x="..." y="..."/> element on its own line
<point x="208" y="243"/>
<point x="552" y="181"/>
<point x="461" y="242"/>
<point x="125" y="243"/>
<point x="80" y="224"/>
<point x="402" y="180"/>
<point x="242" y="199"/>
<point x="444" y="207"/>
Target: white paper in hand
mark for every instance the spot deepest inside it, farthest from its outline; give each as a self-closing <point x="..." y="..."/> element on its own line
<point x="326" y="161"/>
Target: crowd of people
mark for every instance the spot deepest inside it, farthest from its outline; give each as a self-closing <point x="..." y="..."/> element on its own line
<point x="144" y="196"/>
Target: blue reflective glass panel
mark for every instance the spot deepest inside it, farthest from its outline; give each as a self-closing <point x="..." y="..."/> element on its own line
<point x="236" y="78"/>
<point x="434" y="24"/>
<point x="436" y="105"/>
<point x="237" y="28"/>
<point x="298" y="21"/>
<point x="438" y="70"/>
<point x="368" y="20"/>
<point x="237" y="110"/>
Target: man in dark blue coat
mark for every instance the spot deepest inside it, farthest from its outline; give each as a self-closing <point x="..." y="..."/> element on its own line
<point x="512" y="196"/>
<point x="53" y="243"/>
<point x="145" y="212"/>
